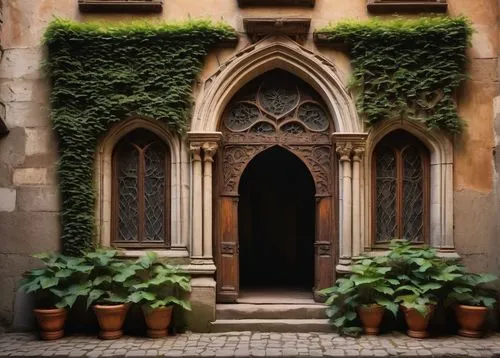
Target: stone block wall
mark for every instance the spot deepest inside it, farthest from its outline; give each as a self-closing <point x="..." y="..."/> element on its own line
<point x="29" y="201"/>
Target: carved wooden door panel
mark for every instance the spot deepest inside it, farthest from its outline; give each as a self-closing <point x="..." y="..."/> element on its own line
<point x="277" y="110"/>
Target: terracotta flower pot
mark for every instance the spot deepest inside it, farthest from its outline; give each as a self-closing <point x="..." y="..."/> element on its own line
<point x="371" y="317"/>
<point x="51" y="322"/>
<point x="417" y="324"/>
<point x="111" y="319"/>
<point x="157" y="320"/>
<point x="471" y="320"/>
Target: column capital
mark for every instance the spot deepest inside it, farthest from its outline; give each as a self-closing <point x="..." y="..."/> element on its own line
<point x="358" y="153"/>
<point x="344" y="151"/>
<point x="209" y="149"/>
<point x="202" y="137"/>
<point x="195" y="149"/>
<point x="356" y="139"/>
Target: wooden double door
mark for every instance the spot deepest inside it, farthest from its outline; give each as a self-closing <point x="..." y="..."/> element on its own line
<point x="275" y="216"/>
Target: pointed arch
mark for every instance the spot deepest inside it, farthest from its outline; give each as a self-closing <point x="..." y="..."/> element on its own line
<point x="103" y="178"/>
<point x="275" y="53"/>
<point x="440" y="149"/>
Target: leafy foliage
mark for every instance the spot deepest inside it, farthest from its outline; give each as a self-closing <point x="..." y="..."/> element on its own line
<point x="157" y="284"/>
<point x="366" y="285"/>
<point x="101" y="75"/>
<point x="469" y="289"/>
<point x="109" y="279"/>
<point x="414" y="277"/>
<point x="407" y="68"/>
<point x="55" y="285"/>
<point x="422" y="275"/>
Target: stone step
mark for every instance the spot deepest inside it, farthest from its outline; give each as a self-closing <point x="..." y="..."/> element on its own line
<point x="270" y="311"/>
<point x="271" y="325"/>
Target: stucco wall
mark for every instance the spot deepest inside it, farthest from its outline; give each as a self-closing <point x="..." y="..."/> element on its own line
<point x="29" y="201"/>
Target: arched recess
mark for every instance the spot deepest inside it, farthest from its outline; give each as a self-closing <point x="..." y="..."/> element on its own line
<point x="310" y="141"/>
<point x="103" y="183"/>
<point x="275" y="53"/>
<point x="441" y="180"/>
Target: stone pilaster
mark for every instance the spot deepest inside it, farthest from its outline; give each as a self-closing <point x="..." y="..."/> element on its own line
<point x="197" y="216"/>
<point x="209" y="149"/>
<point x="350" y="148"/>
<point x="344" y="151"/>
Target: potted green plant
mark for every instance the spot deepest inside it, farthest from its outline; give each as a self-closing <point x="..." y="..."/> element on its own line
<point x="365" y="294"/>
<point x="55" y="288"/>
<point x="423" y="277"/>
<point x="472" y="301"/>
<point x="108" y="285"/>
<point x="157" y="290"/>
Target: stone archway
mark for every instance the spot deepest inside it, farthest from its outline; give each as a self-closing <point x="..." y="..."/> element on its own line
<point x="275" y="109"/>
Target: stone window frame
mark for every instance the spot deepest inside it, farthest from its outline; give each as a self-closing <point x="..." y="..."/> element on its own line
<point x="179" y="201"/>
<point x="395" y="145"/>
<point x="440" y="149"/>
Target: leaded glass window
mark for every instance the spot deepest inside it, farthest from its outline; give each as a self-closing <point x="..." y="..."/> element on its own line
<point x="141" y="191"/>
<point x="401" y="189"/>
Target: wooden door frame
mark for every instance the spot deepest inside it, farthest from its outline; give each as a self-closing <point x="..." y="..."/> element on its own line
<point x="232" y="159"/>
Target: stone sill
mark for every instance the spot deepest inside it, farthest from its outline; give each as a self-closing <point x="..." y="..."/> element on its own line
<point x="120" y="5"/>
<point x="179" y="253"/>
<point x="390" y="6"/>
<point x="308" y="3"/>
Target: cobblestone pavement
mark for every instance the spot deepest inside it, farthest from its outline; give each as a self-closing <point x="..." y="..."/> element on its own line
<point x="247" y="344"/>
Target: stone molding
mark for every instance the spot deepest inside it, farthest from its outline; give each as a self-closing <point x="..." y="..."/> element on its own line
<point x="257" y="28"/>
<point x="276" y="52"/>
<point x="385" y="6"/>
<point x="103" y="181"/>
<point x="120" y="5"/>
<point x="308" y="3"/>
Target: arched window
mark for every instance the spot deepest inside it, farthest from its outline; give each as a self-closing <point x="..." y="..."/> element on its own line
<point x="400" y="169"/>
<point x="141" y="191"/>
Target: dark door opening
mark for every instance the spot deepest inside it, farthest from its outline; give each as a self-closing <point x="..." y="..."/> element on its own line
<point x="276" y="218"/>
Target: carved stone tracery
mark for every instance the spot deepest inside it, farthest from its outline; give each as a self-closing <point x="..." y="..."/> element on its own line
<point x="279" y="110"/>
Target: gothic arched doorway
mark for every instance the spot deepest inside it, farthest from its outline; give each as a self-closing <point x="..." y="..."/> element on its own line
<point x="276" y="222"/>
<point x="275" y="109"/>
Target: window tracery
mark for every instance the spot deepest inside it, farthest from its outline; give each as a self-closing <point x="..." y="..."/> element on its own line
<point x="140" y="191"/>
<point x="276" y="104"/>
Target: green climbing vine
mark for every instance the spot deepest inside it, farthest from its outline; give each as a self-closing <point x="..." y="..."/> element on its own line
<point x="406" y="68"/>
<point x="101" y="74"/>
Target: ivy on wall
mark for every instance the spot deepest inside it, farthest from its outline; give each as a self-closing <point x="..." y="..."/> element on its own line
<point x="406" y="68"/>
<point x="102" y="74"/>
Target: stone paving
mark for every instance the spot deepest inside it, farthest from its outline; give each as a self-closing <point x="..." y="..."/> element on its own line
<point x="248" y="344"/>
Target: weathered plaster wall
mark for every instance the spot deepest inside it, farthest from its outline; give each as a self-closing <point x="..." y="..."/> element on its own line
<point x="29" y="202"/>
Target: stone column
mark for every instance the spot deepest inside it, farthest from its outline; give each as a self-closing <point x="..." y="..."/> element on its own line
<point x="197" y="213"/>
<point x="344" y="151"/>
<point x="357" y="239"/>
<point x="209" y="150"/>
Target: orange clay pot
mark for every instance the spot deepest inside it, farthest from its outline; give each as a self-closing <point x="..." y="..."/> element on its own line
<point x="371" y="317"/>
<point x="51" y="322"/>
<point x="157" y="320"/>
<point x="471" y="320"/>
<point x="417" y="324"/>
<point x="111" y="319"/>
